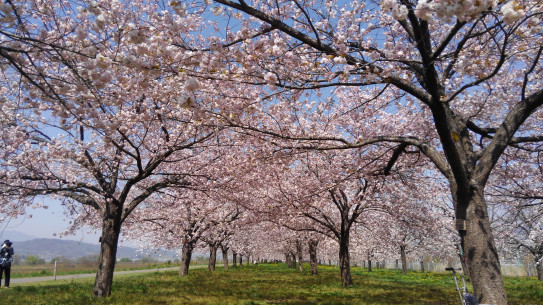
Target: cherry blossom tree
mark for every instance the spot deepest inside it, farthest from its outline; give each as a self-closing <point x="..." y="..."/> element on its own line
<point x="208" y="211"/>
<point x="371" y="241"/>
<point x="526" y="233"/>
<point x="97" y="107"/>
<point x="515" y="194"/>
<point x="410" y="234"/>
<point x="312" y="245"/>
<point x="300" y="198"/>
<point x="461" y="68"/>
<point x="331" y="193"/>
<point x="221" y="232"/>
<point x="268" y="240"/>
<point x="175" y="220"/>
<point x="99" y="95"/>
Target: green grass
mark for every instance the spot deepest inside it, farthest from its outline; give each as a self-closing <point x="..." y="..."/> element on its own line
<point x="68" y="269"/>
<point x="266" y="284"/>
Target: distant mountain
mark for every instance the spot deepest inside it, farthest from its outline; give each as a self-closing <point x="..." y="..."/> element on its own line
<point x="48" y="248"/>
<point x="16" y="236"/>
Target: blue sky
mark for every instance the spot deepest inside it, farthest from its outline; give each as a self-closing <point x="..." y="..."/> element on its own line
<point x="45" y="223"/>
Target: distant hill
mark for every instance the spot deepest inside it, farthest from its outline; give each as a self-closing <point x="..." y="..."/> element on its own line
<point x="16" y="236"/>
<point x="47" y="249"/>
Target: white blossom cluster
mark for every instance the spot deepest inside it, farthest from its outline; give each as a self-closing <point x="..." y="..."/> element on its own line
<point x="464" y="10"/>
<point x="512" y="12"/>
<point x="398" y="12"/>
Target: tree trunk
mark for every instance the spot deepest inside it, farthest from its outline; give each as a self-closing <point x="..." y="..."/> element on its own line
<point x="299" y="252"/>
<point x="397" y="264"/>
<point x="225" y="256"/>
<point x="481" y="253"/>
<point x="344" y="261"/>
<point x="111" y="228"/>
<point x="421" y="266"/>
<point x="212" y="257"/>
<point x="186" y="255"/>
<point x="234" y="259"/>
<point x="240" y="260"/>
<point x="313" y="243"/>
<point x="539" y="268"/>
<point x="288" y="260"/>
<point x="404" y="259"/>
<point x="292" y="260"/>
<point x="369" y="264"/>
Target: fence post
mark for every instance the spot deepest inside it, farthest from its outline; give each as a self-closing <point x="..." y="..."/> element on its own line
<point x="55" y="271"/>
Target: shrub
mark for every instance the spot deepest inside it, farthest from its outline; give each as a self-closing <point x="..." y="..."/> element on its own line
<point x="34" y="260"/>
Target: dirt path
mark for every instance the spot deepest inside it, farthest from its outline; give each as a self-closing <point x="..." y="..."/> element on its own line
<point x="78" y="276"/>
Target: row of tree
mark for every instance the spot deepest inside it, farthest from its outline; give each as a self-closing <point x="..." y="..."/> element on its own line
<point x="244" y="125"/>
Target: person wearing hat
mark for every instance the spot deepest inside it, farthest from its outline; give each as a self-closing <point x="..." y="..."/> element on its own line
<point x="6" y="257"/>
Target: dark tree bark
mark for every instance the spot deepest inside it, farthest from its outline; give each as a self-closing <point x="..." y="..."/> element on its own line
<point x="186" y="256"/>
<point x="369" y="265"/>
<point x="299" y="252"/>
<point x="291" y="261"/>
<point x="240" y="260"/>
<point x="234" y="259"/>
<point x="422" y="266"/>
<point x="111" y="229"/>
<point x="482" y="254"/>
<point x="404" y="258"/>
<point x="344" y="261"/>
<point x="313" y="243"/>
<point x="225" y="256"/>
<point x="212" y="257"/>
